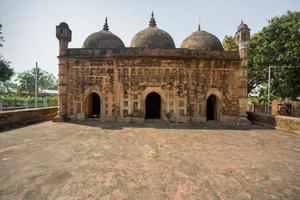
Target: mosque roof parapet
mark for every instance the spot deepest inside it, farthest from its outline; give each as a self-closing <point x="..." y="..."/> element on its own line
<point x="141" y="51"/>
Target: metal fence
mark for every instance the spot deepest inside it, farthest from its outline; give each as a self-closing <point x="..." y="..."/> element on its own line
<point x="6" y="105"/>
<point x="261" y="108"/>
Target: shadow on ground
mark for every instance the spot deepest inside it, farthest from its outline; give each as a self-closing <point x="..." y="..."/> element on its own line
<point x="165" y="125"/>
<point x="156" y="125"/>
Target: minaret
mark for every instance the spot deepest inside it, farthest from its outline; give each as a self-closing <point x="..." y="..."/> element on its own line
<point x="242" y="37"/>
<point x="64" y="36"/>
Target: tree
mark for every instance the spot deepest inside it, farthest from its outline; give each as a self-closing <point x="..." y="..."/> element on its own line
<point x="229" y="43"/>
<point x="8" y="87"/>
<point x="278" y="45"/>
<point x="1" y="36"/>
<point x="6" y="71"/>
<point x="26" y="80"/>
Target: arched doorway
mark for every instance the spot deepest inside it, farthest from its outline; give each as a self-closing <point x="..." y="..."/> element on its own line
<point x="212" y="108"/>
<point x="93" y="106"/>
<point x="153" y="104"/>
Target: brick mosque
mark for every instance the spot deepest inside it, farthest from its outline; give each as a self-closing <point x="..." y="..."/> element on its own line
<point x="152" y="79"/>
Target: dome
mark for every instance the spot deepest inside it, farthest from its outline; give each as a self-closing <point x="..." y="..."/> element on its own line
<point x="152" y="37"/>
<point x="202" y="40"/>
<point x="63" y="25"/>
<point x="242" y="26"/>
<point x="103" y="39"/>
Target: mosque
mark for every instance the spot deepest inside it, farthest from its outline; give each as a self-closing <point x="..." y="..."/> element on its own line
<point x="152" y="79"/>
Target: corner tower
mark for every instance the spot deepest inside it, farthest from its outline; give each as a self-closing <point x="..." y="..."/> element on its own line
<point x="242" y="37"/>
<point x="64" y="36"/>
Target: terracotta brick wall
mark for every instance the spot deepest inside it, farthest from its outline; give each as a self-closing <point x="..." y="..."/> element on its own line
<point x="291" y="124"/>
<point x="20" y="117"/>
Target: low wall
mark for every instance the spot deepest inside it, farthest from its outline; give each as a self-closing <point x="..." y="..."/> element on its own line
<point x="262" y="119"/>
<point x="20" y="117"/>
<point x="291" y="124"/>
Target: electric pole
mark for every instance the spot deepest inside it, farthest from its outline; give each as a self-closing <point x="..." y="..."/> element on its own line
<point x="36" y="82"/>
<point x="269" y="85"/>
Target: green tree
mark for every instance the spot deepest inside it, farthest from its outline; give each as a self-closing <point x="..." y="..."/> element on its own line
<point x="1" y="36"/>
<point x="278" y="45"/>
<point x="229" y="43"/>
<point x="8" y="87"/>
<point x="26" y="80"/>
<point x="6" y="71"/>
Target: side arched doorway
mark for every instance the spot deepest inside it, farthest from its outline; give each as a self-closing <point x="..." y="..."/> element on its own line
<point x="153" y="106"/>
<point x="93" y="105"/>
<point x="212" y="112"/>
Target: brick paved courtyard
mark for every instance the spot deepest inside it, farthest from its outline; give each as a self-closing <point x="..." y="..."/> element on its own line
<point x="114" y="161"/>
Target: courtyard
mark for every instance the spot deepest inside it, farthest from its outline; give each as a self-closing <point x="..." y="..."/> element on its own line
<point x="89" y="160"/>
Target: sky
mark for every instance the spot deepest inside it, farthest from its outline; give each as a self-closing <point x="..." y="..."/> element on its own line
<point x="29" y="25"/>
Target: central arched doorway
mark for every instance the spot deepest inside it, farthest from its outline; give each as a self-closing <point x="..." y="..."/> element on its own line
<point x="212" y="108"/>
<point x="153" y="106"/>
<point x="93" y="106"/>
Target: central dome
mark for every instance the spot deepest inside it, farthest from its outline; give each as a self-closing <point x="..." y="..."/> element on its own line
<point x="103" y="39"/>
<point x="202" y="40"/>
<point x="153" y="37"/>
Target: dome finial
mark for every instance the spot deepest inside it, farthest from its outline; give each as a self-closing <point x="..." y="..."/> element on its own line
<point x="105" y="26"/>
<point x="152" y="22"/>
<point x="242" y="22"/>
<point x="199" y="26"/>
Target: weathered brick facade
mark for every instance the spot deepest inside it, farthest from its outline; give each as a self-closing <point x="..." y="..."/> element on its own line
<point x="120" y="79"/>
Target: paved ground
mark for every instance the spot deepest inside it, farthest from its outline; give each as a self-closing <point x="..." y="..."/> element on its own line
<point x="87" y="161"/>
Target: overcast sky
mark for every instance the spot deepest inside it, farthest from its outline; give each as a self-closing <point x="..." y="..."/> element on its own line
<point x="29" y="25"/>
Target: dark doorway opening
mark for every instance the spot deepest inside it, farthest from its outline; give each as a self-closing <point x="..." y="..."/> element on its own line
<point x="94" y="105"/>
<point x="212" y="108"/>
<point x="153" y="104"/>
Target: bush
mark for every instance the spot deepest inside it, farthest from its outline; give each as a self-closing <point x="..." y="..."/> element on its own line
<point x="13" y="101"/>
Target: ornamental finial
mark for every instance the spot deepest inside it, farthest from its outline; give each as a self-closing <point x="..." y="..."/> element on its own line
<point x="152" y="22"/>
<point x="105" y="26"/>
<point x="199" y="26"/>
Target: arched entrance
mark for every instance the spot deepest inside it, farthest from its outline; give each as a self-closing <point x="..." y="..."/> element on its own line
<point x="93" y="105"/>
<point x="153" y="106"/>
<point x="212" y="108"/>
